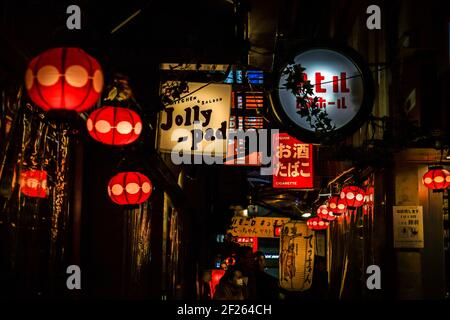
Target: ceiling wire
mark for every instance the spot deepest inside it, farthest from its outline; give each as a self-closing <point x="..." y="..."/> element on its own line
<point x="134" y="15"/>
<point x="126" y="21"/>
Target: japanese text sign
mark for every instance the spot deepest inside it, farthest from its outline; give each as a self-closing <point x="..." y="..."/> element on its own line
<point x="297" y="244"/>
<point x="262" y="227"/>
<point x="337" y="84"/>
<point x="292" y="162"/>
<point x="408" y="227"/>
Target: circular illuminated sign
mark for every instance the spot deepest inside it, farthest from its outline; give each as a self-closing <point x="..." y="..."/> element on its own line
<point x="343" y="86"/>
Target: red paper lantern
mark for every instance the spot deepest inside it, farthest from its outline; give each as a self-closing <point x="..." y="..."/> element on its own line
<point x="436" y="178"/>
<point x="216" y="275"/>
<point x="33" y="183"/>
<point x="322" y="212"/>
<point x="368" y="198"/>
<point x="64" y="79"/>
<point x="317" y="224"/>
<point x="114" y="126"/>
<point x="277" y="231"/>
<point x="129" y="188"/>
<point x="336" y="205"/>
<point x="230" y="261"/>
<point x="353" y="196"/>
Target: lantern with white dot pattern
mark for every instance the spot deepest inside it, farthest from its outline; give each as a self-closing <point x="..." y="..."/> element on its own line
<point x="336" y="205"/>
<point x="369" y="197"/>
<point x="64" y="79"/>
<point x="33" y="183"/>
<point x="129" y="188"/>
<point x="353" y="196"/>
<point x="436" y="178"/>
<point x="322" y="212"/>
<point x="114" y="126"/>
<point x="317" y="224"/>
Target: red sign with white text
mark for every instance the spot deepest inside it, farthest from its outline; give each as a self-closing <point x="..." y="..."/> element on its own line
<point x="292" y="163"/>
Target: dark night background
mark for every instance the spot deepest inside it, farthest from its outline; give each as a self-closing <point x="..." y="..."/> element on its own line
<point x="212" y="32"/>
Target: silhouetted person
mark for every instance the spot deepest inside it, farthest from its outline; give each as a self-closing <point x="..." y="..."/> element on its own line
<point x="231" y="286"/>
<point x="246" y="261"/>
<point x="206" y="292"/>
<point x="266" y="285"/>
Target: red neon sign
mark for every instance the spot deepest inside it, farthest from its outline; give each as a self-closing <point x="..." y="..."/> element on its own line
<point x="293" y="163"/>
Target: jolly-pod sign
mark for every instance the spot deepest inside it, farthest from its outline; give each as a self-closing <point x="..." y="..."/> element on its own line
<point x="197" y="123"/>
<point x="342" y="83"/>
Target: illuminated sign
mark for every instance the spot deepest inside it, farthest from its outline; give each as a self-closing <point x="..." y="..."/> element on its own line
<point x="263" y="227"/>
<point x="197" y="123"/>
<point x="296" y="256"/>
<point x="249" y="242"/>
<point x="293" y="163"/>
<point x="342" y="84"/>
<point x="245" y="120"/>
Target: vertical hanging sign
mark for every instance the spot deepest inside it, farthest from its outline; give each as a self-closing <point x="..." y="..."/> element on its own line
<point x="292" y="162"/>
<point x="296" y="256"/>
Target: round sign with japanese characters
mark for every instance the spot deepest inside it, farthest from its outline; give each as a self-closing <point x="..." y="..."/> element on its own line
<point x="340" y="96"/>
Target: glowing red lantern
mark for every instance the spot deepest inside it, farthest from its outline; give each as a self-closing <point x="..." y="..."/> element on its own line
<point x="216" y="275"/>
<point x="33" y="183"/>
<point x="277" y="231"/>
<point x="368" y="198"/>
<point x="436" y="178"/>
<point x="336" y="205"/>
<point x="322" y="212"/>
<point x="317" y="224"/>
<point x="64" y="79"/>
<point x="230" y="261"/>
<point x="129" y="188"/>
<point x="114" y="126"/>
<point x="353" y="196"/>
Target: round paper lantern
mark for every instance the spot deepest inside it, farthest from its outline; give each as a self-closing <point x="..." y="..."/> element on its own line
<point x="64" y="79"/>
<point x="336" y="205"/>
<point x="317" y="224"/>
<point x="129" y="188"/>
<point x="230" y="261"/>
<point x="114" y="126"/>
<point x="277" y="231"/>
<point x="436" y="178"/>
<point x="322" y="212"/>
<point x="353" y="196"/>
<point x="368" y="198"/>
<point x="33" y="183"/>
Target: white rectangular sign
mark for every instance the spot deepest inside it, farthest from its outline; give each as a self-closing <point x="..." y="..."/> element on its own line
<point x="197" y="123"/>
<point x="408" y="227"/>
